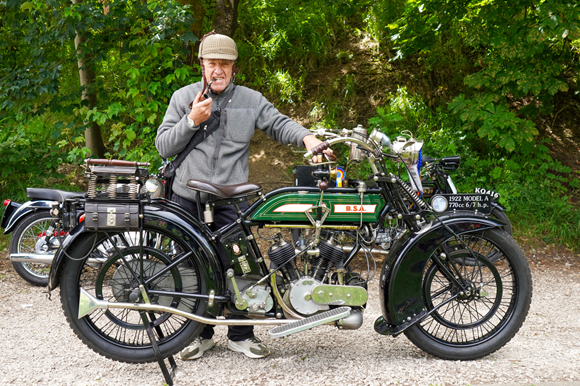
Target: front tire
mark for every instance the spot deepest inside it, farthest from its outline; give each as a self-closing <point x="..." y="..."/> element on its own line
<point x="470" y="324"/>
<point x="113" y="271"/>
<point x="29" y="237"/>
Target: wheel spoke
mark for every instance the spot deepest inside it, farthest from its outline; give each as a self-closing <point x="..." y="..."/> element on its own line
<point x="127" y="266"/>
<point x="476" y="313"/>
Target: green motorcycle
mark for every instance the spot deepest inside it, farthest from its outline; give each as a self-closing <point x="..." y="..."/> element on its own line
<point x="141" y="276"/>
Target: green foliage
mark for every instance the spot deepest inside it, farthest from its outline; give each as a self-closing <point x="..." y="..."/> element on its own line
<point x="535" y="189"/>
<point x="380" y="18"/>
<point x="294" y="33"/>
<point x="280" y="41"/>
<point x="25" y="159"/>
<point x="521" y="51"/>
<point x="405" y="111"/>
<point x="136" y="50"/>
<point x="283" y="86"/>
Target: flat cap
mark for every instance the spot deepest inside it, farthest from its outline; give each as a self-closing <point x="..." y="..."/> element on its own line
<point x="218" y="46"/>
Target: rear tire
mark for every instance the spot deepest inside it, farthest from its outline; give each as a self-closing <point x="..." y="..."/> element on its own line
<point x="483" y="319"/>
<point x="29" y="237"/>
<point x="113" y="273"/>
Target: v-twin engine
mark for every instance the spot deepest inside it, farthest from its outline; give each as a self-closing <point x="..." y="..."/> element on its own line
<point x="316" y="279"/>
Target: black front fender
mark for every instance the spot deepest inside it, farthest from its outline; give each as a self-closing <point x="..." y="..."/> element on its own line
<point x="401" y="277"/>
<point x="157" y="214"/>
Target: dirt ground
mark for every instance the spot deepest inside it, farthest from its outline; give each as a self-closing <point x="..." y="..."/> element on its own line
<point x="271" y="163"/>
<point x="39" y="348"/>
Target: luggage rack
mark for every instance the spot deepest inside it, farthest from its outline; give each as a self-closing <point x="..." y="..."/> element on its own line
<point x="115" y="179"/>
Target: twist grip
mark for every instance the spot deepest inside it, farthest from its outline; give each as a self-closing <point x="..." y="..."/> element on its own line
<point x="317" y="149"/>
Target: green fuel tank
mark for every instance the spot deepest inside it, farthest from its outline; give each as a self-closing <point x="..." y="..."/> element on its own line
<point x="344" y="207"/>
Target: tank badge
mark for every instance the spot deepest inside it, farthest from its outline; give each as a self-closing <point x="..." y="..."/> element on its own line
<point x="236" y="249"/>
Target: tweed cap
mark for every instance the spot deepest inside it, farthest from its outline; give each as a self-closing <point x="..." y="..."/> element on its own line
<point x="218" y="46"/>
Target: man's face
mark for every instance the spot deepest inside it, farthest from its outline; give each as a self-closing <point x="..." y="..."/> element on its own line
<point x="221" y="70"/>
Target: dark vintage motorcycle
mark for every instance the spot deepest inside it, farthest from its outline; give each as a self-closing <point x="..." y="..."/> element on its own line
<point x="141" y="276"/>
<point x="38" y="228"/>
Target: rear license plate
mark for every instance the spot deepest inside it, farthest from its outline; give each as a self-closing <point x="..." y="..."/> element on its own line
<point x="494" y="195"/>
<point x="469" y="202"/>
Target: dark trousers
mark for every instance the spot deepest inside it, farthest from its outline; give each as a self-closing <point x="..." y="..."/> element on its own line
<point x="223" y="215"/>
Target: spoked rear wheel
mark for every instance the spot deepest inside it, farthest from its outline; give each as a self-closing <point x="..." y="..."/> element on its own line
<point x="116" y="267"/>
<point x="479" y="295"/>
<point x="30" y="237"/>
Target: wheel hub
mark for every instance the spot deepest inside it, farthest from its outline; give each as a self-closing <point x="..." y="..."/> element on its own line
<point x="466" y="294"/>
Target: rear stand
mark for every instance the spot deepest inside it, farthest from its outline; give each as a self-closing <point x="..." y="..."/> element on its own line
<point x="168" y="375"/>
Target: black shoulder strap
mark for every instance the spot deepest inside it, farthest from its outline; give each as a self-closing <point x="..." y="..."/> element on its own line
<point x="205" y="129"/>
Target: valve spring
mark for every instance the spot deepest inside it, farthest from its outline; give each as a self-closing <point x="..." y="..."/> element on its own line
<point x="320" y="266"/>
<point x="112" y="186"/>
<point x="133" y="187"/>
<point x="408" y="190"/>
<point x="92" y="190"/>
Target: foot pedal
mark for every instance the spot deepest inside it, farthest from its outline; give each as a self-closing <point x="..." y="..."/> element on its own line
<point x="308" y="323"/>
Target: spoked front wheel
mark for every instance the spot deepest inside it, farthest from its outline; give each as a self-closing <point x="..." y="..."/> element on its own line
<point x="116" y="267"/>
<point x="477" y="291"/>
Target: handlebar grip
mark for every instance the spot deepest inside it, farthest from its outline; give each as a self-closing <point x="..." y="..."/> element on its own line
<point x="427" y="160"/>
<point x="451" y="159"/>
<point x="114" y="162"/>
<point x="317" y="149"/>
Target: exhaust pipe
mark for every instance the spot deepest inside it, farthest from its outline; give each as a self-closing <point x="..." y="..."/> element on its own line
<point x="88" y="303"/>
<point x="348" y="248"/>
<point x="31" y="258"/>
<point x="42" y="258"/>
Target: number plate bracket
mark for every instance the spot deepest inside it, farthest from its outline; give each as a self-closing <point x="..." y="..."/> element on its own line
<point x="480" y="203"/>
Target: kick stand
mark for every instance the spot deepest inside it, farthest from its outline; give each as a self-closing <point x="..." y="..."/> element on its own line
<point x="168" y="376"/>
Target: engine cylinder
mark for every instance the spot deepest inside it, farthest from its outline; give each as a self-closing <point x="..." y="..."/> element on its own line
<point x="331" y="252"/>
<point x="280" y="252"/>
<point x="330" y="255"/>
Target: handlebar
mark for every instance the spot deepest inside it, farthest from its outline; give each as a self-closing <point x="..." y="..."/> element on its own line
<point x="325" y="145"/>
<point x="449" y="163"/>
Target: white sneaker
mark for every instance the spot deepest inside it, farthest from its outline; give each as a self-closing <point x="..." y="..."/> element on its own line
<point x="196" y="349"/>
<point x="252" y="347"/>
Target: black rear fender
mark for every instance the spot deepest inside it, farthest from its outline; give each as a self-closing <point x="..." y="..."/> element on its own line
<point x="401" y="277"/>
<point x="160" y="215"/>
<point x="15" y="212"/>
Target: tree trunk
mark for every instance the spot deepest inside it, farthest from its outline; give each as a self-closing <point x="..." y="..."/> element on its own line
<point x="225" y="21"/>
<point x="198" y="10"/>
<point x="93" y="136"/>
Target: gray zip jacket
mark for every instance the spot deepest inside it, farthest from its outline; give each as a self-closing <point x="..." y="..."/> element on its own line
<point x="247" y="111"/>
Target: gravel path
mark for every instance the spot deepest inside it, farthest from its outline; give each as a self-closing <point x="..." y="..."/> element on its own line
<point x="39" y="348"/>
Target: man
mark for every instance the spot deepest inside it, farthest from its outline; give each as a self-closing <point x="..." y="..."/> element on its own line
<point x="222" y="156"/>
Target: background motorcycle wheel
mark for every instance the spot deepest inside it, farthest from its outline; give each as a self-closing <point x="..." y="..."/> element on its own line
<point x="109" y="274"/>
<point x="477" y="323"/>
<point x="28" y="237"/>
